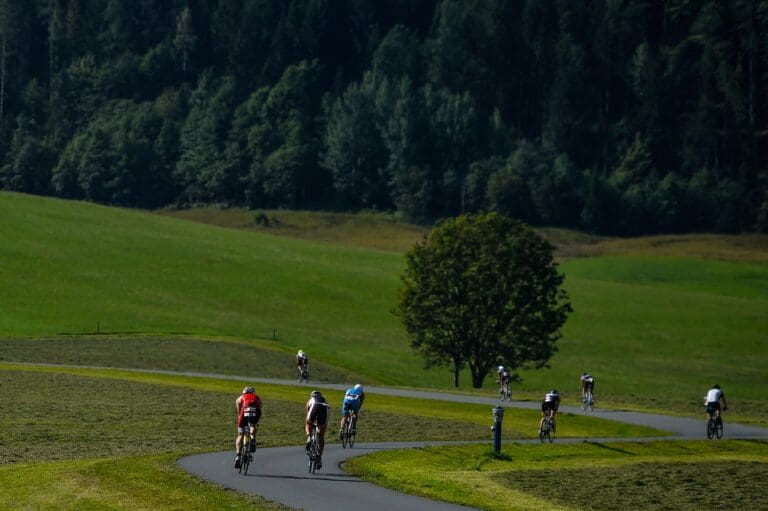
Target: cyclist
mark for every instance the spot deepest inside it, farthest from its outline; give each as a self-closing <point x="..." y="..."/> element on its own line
<point x="712" y="401"/>
<point x="586" y="382"/>
<point x="551" y="402"/>
<point x="248" y="406"/>
<point x="317" y="413"/>
<point x="302" y="364"/>
<point x="353" y="400"/>
<point x="503" y="378"/>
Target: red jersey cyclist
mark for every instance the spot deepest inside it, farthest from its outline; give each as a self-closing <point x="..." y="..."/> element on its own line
<point x="248" y="407"/>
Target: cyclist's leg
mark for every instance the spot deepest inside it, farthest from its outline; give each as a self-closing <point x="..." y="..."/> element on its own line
<point x="321" y="429"/>
<point x="308" y="430"/>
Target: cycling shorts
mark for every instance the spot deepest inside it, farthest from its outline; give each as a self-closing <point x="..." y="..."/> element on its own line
<point x="711" y="407"/>
<point x="248" y="420"/>
<point x="318" y="414"/>
<point x="548" y="405"/>
<point x="350" y="404"/>
<point x="589" y="386"/>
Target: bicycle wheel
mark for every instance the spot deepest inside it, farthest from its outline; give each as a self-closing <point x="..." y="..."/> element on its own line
<point x="551" y="431"/>
<point x="345" y="434"/>
<point x="584" y="403"/>
<point x="243" y="457"/>
<point x="719" y="429"/>
<point x="352" y="432"/>
<point x="313" y="452"/>
<point x="710" y="428"/>
<point x="246" y="459"/>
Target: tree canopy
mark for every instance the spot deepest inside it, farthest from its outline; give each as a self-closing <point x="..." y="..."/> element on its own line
<point x="481" y="290"/>
<point x="616" y="117"/>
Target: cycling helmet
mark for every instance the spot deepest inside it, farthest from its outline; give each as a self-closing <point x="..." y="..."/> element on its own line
<point x="358" y="386"/>
<point x="554" y="391"/>
<point x="315" y="393"/>
<point x="300" y="352"/>
<point x="249" y="390"/>
<point x="716" y="386"/>
<point x="501" y="368"/>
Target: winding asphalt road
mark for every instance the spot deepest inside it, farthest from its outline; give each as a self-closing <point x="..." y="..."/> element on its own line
<point x="280" y="474"/>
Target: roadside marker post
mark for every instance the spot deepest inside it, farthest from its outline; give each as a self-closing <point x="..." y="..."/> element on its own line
<point x="498" y="417"/>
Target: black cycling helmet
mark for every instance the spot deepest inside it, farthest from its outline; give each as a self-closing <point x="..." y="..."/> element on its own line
<point x="554" y="391"/>
<point x="716" y="386"/>
<point x="315" y="393"/>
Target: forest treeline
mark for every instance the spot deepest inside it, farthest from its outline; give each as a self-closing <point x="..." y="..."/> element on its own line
<point x="621" y="117"/>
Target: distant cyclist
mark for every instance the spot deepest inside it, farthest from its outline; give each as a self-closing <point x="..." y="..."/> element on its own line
<point x="503" y="378"/>
<point x="712" y="401"/>
<point x="317" y="413"/>
<point x="353" y="400"/>
<point x="586" y="382"/>
<point x="302" y="365"/>
<point x="551" y="402"/>
<point x="248" y="406"/>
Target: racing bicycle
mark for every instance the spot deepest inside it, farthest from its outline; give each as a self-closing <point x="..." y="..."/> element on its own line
<point x="349" y="430"/>
<point x="313" y="451"/>
<point x="588" y="401"/>
<point x="715" y="425"/>
<point x="547" y="428"/>
<point x="304" y="373"/>
<point x="246" y="456"/>
<point x="504" y="392"/>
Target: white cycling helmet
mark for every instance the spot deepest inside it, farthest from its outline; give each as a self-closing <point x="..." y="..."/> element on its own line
<point x="358" y="386"/>
<point x="249" y="390"/>
<point x="501" y="368"/>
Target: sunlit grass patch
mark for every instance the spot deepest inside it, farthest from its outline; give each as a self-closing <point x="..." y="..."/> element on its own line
<point x="171" y="353"/>
<point x="151" y="483"/>
<point x="524" y="476"/>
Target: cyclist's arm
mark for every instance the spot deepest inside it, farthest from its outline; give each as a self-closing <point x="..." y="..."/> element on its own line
<point x="725" y="404"/>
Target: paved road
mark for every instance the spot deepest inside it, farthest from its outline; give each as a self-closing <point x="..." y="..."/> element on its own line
<point x="280" y="474"/>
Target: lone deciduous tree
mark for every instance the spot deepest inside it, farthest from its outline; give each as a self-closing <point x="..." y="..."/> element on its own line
<point x="479" y="290"/>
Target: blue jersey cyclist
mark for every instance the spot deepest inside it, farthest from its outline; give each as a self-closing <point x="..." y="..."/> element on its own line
<point x="353" y="400"/>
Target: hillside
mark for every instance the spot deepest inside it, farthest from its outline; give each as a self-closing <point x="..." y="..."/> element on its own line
<point x="642" y="321"/>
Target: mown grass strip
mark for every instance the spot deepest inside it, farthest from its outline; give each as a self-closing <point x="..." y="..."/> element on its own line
<point x="518" y="423"/>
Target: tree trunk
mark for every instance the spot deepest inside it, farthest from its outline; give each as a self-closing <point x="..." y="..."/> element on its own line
<point x="456" y="374"/>
<point x="2" y="82"/>
<point x="478" y="376"/>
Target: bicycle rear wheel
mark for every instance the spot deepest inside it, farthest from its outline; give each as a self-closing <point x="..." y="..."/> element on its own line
<point x="352" y="432"/>
<point x="710" y="428"/>
<point x="345" y="434"/>
<point x="719" y="429"/>
<point x="314" y="451"/>
<point x="243" y="469"/>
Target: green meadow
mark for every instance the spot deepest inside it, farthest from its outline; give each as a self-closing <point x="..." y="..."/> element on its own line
<point x="655" y="327"/>
<point x="657" y="321"/>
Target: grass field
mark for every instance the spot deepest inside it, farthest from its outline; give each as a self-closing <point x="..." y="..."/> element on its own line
<point x="110" y="438"/>
<point x="657" y="321"/>
<point x="73" y="269"/>
<point x="632" y="475"/>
